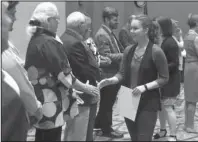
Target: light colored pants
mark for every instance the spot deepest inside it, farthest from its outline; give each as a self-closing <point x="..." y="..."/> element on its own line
<point x="81" y="127"/>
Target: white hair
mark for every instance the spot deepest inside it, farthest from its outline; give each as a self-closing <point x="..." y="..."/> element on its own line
<point x="75" y="19"/>
<point x="42" y="12"/>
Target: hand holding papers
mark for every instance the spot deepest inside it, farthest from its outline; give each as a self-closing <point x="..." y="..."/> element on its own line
<point x="128" y="103"/>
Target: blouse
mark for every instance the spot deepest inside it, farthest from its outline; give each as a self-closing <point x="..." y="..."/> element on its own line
<point x="45" y="60"/>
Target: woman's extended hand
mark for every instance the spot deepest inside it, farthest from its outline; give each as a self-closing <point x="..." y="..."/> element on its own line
<point x="139" y="90"/>
<point x="104" y="82"/>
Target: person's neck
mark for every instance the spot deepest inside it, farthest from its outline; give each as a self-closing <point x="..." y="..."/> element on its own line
<point x="107" y="25"/>
<point x="143" y="42"/>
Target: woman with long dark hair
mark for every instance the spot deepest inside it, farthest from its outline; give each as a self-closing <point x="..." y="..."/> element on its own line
<point x="169" y="91"/>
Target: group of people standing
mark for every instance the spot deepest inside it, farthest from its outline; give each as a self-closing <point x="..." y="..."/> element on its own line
<point x="63" y="79"/>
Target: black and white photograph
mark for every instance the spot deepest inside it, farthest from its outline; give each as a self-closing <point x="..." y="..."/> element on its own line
<point x="76" y="70"/>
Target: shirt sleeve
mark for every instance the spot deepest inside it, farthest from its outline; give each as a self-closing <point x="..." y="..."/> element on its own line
<point x="196" y="45"/>
<point x="55" y="58"/>
<point x="160" y="61"/>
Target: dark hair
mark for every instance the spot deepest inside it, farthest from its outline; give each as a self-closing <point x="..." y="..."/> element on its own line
<point x="109" y="12"/>
<point x="165" y="25"/>
<point x="12" y="4"/>
<point x="192" y="20"/>
<point x="153" y="27"/>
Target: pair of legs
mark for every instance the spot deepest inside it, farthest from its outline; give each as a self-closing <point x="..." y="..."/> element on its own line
<point x="81" y="127"/>
<point x="190" y="109"/>
<point x="168" y="114"/>
<point x="107" y="100"/>
<point x="48" y="134"/>
<point x="143" y="127"/>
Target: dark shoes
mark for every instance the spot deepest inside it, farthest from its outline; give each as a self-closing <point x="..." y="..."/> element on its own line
<point x="113" y="134"/>
<point x="161" y="134"/>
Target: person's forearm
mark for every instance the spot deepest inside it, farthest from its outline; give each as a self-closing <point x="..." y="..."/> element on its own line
<point x="157" y="83"/>
<point x="78" y="85"/>
<point x="152" y="85"/>
<point x="114" y="80"/>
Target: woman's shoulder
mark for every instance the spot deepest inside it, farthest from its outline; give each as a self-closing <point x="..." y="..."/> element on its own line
<point x="128" y="48"/>
<point x="156" y="50"/>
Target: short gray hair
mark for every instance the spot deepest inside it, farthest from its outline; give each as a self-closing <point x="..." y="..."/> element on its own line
<point x="42" y="12"/>
<point x="76" y="18"/>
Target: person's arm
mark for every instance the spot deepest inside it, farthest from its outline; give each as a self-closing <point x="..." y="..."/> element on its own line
<point x="160" y="61"/>
<point x="103" y="46"/>
<point x="56" y="62"/>
<point x="27" y="95"/>
<point x="196" y="45"/>
<point x="70" y="81"/>
<point x="120" y="75"/>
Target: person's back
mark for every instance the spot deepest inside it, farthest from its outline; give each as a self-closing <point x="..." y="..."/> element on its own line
<point x="14" y="119"/>
<point x="189" y="46"/>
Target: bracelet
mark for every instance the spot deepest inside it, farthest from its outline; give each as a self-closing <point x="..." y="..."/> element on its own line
<point x="146" y="87"/>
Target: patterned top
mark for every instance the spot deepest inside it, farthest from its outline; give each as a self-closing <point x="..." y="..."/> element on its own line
<point x="45" y="59"/>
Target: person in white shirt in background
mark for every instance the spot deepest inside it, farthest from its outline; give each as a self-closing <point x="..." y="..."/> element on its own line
<point x="177" y="36"/>
<point x="13" y="64"/>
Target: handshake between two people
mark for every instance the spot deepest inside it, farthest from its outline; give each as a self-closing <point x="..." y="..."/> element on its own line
<point x="95" y="90"/>
<point x="114" y="80"/>
<point x="91" y="90"/>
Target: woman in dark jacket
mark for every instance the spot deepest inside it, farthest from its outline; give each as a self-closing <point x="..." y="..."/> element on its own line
<point x="172" y="88"/>
<point x="144" y="69"/>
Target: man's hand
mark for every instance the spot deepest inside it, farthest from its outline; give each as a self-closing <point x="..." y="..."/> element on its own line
<point x="92" y="90"/>
<point x="75" y="95"/>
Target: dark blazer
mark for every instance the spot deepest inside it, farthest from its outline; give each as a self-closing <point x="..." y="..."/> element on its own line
<point x="171" y="50"/>
<point x="107" y="47"/>
<point x="125" y="37"/>
<point x="83" y="62"/>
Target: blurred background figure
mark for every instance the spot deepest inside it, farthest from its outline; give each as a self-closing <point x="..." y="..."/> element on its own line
<point x="125" y="37"/>
<point x="169" y="91"/>
<point x="177" y="36"/>
<point x="110" y="47"/>
<point x="14" y="120"/>
<point x="13" y="64"/>
<point x="191" y="73"/>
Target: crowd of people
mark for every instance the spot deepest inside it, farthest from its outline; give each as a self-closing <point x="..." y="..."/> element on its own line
<point x="63" y="79"/>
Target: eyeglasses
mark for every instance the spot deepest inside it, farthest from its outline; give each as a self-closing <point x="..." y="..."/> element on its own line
<point x="57" y="18"/>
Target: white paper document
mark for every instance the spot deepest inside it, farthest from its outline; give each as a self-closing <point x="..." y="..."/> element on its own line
<point x="127" y="103"/>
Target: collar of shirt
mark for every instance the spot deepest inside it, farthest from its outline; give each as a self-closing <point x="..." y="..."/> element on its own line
<point x="107" y="28"/>
<point x="45" y="31"/>
<point x="74" y="33"/>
